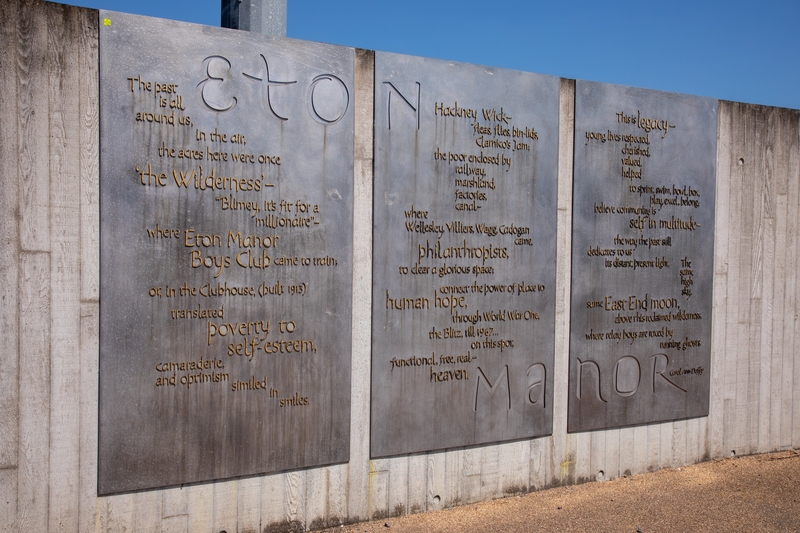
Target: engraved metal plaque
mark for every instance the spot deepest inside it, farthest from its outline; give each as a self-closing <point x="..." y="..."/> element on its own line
<point x="642" y="256"/>
<point x="466" y="161"/>
<point x="226" y="245"/>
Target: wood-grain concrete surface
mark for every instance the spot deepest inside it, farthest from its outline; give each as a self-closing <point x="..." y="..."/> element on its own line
<point x="752" y="493"/>
<point x="49" y="273"/>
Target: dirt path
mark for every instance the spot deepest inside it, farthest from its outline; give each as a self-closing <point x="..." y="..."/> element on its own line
<point x="749" y="494"/>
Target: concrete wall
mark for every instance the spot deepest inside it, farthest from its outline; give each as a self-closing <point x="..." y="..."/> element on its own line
<point x="49" y="264"/>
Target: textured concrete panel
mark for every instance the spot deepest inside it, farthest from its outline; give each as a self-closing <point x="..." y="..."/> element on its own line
<point x="466" y="161"/>
<point x="226" y="246"/>
<point x="642" y="256"/>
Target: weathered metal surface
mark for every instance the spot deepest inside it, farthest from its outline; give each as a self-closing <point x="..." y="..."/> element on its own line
<point x="642" y="256"/>
<point x="466" y="161"/>
<point x="226" y="244"/>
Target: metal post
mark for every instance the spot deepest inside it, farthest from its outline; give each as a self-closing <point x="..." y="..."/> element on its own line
<point x="261" y="16"/>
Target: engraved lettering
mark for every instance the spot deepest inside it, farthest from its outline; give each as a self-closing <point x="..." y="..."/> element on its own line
<point x="659" y="362"/>
<point x="210" y="91"/>
<point x="491" y="387"/>
<point x="590" y="365"/>
<point x="392" y="90"/>
<point x="537" y="378"/>
<point x="317" y="107"/>
<point x="624" y="382"/>
<point x="266" y="86"/>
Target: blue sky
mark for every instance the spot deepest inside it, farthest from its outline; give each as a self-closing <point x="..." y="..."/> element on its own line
<point x="734" y="50"/>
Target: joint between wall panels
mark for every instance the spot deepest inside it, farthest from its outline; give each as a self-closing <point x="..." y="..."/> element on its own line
<point x="358" y="495"/>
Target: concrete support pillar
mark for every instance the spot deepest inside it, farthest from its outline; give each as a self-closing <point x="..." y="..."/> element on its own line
<point x="261" y="16"/>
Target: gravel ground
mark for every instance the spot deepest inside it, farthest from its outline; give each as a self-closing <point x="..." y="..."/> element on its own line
<point x="753" y="494"/>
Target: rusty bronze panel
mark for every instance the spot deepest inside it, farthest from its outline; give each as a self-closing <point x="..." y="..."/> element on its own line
<point x="226" y="245"/>
<point x="466" y="162"/>
<point x="642" y="256"/>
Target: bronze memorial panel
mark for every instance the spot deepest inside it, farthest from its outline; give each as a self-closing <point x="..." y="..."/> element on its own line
<point x="226" y="243"/>
<point x="642" y="256"/>
<point x="466" y="163"/>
